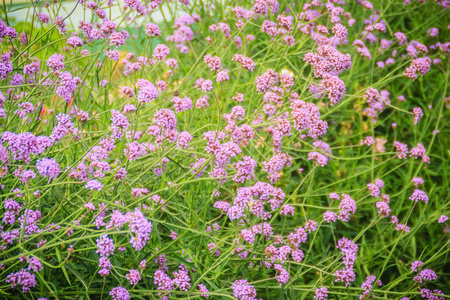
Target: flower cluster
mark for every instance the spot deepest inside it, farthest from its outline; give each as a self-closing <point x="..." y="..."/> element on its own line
<point x="348" y="250"/>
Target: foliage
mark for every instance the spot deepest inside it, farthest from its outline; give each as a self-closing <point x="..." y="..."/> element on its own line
<point x="133" y="169"/>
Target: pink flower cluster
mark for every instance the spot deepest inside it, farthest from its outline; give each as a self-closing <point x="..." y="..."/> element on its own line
<point x="328" y="63"/>
<point x="348" y="249"/>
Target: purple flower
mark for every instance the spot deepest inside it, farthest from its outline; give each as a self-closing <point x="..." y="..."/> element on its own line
<point x="67" y="85"/>
<point x="152" y="30"/>
<point x="162" y="281"/>
<point x="118" y="38"/>
<point x="184" y="138"/>
<point x="140" y="228"/>
<point x="105" y="246"/>
<point x="43" y="18"/>
<point x="129" y="108"/>
<point x="34" y="264"/>
<point x="113" y="54"/>
<point x="23" y="278"/>
<point x="321" y="293"/>
<point x="235" y="212"/>
<point x="182" y="279"/>
<point x="119" y="293"/>
<point x="428" y="294"/>
<point x="428" y="274"/>
<point x="329" y="216"/>
<point x="383" y="208"/>
<point x="204" y="290"/>
<point x="134" y="276"/>
<point x="419" y="195"/>
<point x="442" y="219"/>
<point x="17" y="79"/>
<point x="242" y="290"/>
<point x="416" y="265"/>
<point x="75" y="41"/>
<point x="148" y="92"/>
<point x="181" y="104"/>
<point x="245" y="169"/>
<point x="282" y="274"/>
<point x="143" y="264"/>
<point x="418" y="181"/>
<point x="161" y="51"/>
<point x="222" y="76"/>
<point x="348" y="249"/>
<point x="173" y="235"/>
<point x="48" y="167"/>
<point x="105" y="264"/>
<point x="56" y="62"/>
<point x="89" y="206"/>
<point x="94" y="184"/>
<point x="347" y="207"/>
<point x="165" y="118"/>
<point x="311" y="225"/>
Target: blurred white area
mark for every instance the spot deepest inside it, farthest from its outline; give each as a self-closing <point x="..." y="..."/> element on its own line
<point x="21" y="12"/>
